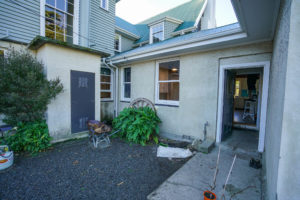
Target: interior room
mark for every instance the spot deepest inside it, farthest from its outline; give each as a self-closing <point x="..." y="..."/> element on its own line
<point x="246" y="97"/>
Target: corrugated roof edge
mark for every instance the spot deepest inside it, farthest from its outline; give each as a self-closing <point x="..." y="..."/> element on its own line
<point x="180" y="40"/>
<point x="39" y="41"/>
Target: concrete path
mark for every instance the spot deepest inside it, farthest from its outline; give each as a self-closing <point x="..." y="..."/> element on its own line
<point x="190" y="181"/>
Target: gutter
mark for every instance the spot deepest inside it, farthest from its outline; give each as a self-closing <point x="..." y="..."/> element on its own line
<point x="223" y="36"/>
<point x="116" y="91"/>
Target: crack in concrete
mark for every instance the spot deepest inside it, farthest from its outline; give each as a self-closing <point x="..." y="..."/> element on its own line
<point x="191" y="186"/>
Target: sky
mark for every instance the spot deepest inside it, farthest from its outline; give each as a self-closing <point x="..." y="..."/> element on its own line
<point x="135" y="11"/>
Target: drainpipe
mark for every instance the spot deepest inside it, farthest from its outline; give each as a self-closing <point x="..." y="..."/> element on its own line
<point x="116" y="91"/>
<point x="6" y="35"/>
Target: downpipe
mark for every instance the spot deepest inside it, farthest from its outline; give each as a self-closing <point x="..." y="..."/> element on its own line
<point x="115" y="69"/>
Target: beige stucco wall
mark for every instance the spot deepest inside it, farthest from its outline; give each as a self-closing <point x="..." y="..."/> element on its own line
<point x="59" y="61"/>
<point x="288" y="186"/>
<point x="198" y="88"/>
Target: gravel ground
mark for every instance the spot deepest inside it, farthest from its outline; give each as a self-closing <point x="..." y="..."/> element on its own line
<point x="74" y="170"/>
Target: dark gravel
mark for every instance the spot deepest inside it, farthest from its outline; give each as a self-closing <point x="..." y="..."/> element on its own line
<point x="74" y="170"/>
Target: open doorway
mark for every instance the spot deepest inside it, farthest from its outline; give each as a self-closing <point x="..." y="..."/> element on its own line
<point x="247" y="96"/>
<point x="242" y="105"/>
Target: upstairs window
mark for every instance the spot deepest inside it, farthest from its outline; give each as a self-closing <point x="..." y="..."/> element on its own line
<point x="157" y="33"/>
<point x="104" y="4"/>
<point x="106" y="84"/>
<point x="59" y="17"/>
<point x="167" y="84"/>
<point x="126" y="84"/>
<point x="118" y="42"/>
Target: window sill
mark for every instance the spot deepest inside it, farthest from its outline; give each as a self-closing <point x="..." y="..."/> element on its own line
<point x="106" y="100"/>
<point x="167" y="105"/>
<point x="124" y="101"/>
<point x="104" y="9"/>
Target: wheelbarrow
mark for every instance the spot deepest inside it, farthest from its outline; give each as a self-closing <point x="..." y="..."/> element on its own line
<point x="100" y="133"/>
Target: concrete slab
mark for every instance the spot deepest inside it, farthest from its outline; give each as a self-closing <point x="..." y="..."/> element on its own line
<point x="196" y="176"/>
<point x="206" y="146"/>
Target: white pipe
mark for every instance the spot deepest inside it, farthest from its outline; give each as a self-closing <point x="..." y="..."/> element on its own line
<point x="116" y="91"/>
<point x="117" y="87"/>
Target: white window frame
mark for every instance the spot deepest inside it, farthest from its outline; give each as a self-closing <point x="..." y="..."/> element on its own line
<point x="123" y="85"/>
<point x="111" y="85"/>
<point x="157" y="81"/>
<point x="120" y="43"/>
<point x="151" y="31"/>
<point x="107" y="4"/>
<point x="75" y="20"/>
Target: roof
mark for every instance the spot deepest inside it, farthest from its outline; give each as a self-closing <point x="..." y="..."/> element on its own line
<point x="125" y="25"/>
<point x="180" y="40"/>
<point x="187" y="12"/>
<point x="39" y="41"/>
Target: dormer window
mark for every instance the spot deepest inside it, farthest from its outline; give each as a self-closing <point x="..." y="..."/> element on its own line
<point x="157" y="33"/>
<point x="104" y="4"/>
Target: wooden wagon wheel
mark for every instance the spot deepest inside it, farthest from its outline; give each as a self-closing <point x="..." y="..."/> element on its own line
<point x="142" y="102"/>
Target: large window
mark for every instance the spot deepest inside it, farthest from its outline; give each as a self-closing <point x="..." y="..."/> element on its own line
<point x="157" y="33"/>
<point x="126" y="84"/>
<point x="59" y="17"/>
<point x="118" y="42"/>
<point x="167" y="85"/>
<point x="106" y="84"/>
<point x="104" y="4"/>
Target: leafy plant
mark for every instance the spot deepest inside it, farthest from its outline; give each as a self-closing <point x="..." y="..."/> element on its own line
<point x="24" y="88"/>
<point x="138" y="125"/>
<point x="31" y="137"/>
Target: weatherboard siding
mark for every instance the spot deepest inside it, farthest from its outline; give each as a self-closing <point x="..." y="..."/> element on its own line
<point x="102" y="26"/>
<point x="169" y="29"/>
<point x="126" y="44"/>
<point x="23" y="23"/>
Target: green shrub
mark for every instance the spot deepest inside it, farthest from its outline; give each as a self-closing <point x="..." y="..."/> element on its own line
<point x="138" y="125"/>
<point x="32" y="138"/>
<point x="24" y="88"/>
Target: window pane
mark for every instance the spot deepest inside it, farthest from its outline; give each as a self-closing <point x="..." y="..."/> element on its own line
<point x="105" y="71"/>
<point x="105" y="86"/>
<point x="49" y="13"/>
<point x="106" y="95"/>
<point x="105" y="79"/>
<point x="60" y="37"/>
<point x="169" y="91"/>
<point x="50" y="34"/>
<point x="103" y="4"/>
<point x="127" y="89"/>
<point x="169" y="71"/>
<point x="127" y="74"/>
<point x="70" y="8"/>
<point x="70" y="39"/>
<point x="50" y="2"/>
<point x="117" y="42"/>
<point x="69" y="25"/>
<point x="60" y="17"/>
<point x="61" y="4"/>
